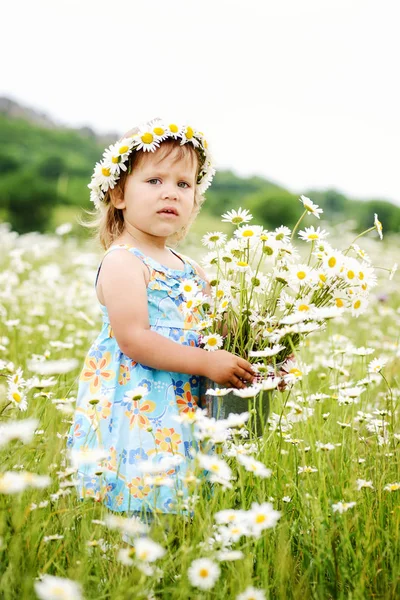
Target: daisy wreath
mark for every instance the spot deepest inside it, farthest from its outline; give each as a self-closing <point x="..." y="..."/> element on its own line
<point x="147" y="138"/>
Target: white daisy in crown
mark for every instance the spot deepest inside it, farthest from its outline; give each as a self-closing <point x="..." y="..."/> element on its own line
<point x="146" y="140"/>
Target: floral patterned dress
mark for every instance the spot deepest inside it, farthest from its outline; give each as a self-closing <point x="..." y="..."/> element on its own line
<point x="132" y="431"/>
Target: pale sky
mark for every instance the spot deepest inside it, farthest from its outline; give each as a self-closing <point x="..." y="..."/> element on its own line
<point x="303" y="92"/>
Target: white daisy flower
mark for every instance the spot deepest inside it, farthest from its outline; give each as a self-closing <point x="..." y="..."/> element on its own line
<point x="249" y="233"/>
<point x="212" y="342"/>
<point x="23" y="430"/>
<point x="203" y="573"/>
<point x="248" y="392"/>
<point x="392" y="487"/>
<point x="267" y="352"/>
<point x="229" y="555"/>
<point x="146" y="140"/>
<point x="332" y="261"/>
<point x="137" y="393"/>
<point x="12" y="482"/>
<point x="219" y="391"/>
<point x="262" y="516"/>
<point x="361" y="253"/>
<point x="175" y="131"/>
<point x="17" y="397"/>
<point x="147" y="550"/>
<point x="188" y="135"/>
<point x="237" y="217"/>
<point x="363" y="483"/>
<point x="87" y="456"/>
<point x="310" y="234"/>
<point x="251" y="593"/>
<point x="51" y="587"/>
<point x="310" y="206"/>
<point x="342" y="507"/>
<point x="215" y="465"/>
<point x="378" y="226"/>
<point x="376" y="365"/>
<point x="229" y="515"/>
<point x="240" y="265"/>
<point x="306" y="469"/>
<point x="283" y="234"/>
<point x="393" y="271"/>
<point x="214" y="240"/>
<point x="254" y="466"/>
<point x="189" y="288"/>
<point x="300" y="275"/>
<point x="358" y="305"/>
<point x="103" y="176"/>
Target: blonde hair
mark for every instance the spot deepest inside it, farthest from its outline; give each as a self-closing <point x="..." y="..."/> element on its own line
<point x="108" y="221"/>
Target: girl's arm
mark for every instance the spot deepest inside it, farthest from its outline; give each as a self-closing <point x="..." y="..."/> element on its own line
<point x="124" y="291"/>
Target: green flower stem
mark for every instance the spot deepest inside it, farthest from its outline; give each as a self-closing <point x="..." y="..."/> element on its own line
<point x="356" y="238"/>
<point x="298" y="223"/>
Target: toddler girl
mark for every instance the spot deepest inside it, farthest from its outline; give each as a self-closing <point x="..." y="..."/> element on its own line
<point x="142" y="371"/>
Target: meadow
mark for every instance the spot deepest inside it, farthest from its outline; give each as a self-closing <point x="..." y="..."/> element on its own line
<point x="310" y="510"/>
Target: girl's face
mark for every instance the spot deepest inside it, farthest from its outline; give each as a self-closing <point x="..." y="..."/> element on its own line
<point x="159" y="194"/>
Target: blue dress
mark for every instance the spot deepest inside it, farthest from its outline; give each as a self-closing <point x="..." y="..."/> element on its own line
<point x="129" y="430"/>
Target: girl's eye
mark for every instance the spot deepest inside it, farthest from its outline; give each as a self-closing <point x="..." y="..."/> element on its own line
<point x="157" y="179"/>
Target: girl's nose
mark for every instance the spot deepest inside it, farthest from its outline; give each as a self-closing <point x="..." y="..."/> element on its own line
<point x="170" y="192"/>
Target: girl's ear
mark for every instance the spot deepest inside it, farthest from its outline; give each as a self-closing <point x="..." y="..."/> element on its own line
<point x="117" y="197"/>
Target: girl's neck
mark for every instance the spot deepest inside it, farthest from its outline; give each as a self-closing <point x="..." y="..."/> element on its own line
<point x="142" y="240"/>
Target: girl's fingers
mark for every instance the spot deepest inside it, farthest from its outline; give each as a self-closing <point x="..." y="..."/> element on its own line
<point x="236" y="382"/>
<point x="246" y="366"/>
<point x="244" y="374"/>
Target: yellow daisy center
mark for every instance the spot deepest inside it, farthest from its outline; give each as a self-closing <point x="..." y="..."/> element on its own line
<point x="301" y="275"/>
<point x="241" y="263"/>
<point x="220" y="293"/>
<point x="212" y="342"/>
<point x="350" y="274"/>
<point x="17" y="397"/>
<point x="322" y="277"/>
<point x="332" y="261"/>
<point x="189" y="133"/>
<point x="147" y="138"/>
<point x="203" y="573"/>
<point x="174" y="128"/>
<point x="295" y="372"/>
<point x="115" y="160"/>
<point x="123" y="149"/>
<point x="304" y="307"/>
<point x="357" y="304"/>
<point x="158" y="130"/>
<point x="313" y="236"/>
<point x="248" y="233"/>
<point x="339" y="302"/>
<point x="361" y="275"/>
<point x="106" y="171"/>
<point x="188" y="288"/>
<point x="260" y="518"/>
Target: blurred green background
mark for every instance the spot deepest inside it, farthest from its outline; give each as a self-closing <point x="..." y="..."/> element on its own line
<point x="45" y="171"/>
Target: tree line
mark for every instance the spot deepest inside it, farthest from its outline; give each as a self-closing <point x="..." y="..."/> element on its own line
<point x="41" y="168"/>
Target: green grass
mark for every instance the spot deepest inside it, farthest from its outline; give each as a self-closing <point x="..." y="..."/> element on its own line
<point x="312" y="552"/>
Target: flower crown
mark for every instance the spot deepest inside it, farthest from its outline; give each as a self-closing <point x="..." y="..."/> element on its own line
<point x="147" y="137"/>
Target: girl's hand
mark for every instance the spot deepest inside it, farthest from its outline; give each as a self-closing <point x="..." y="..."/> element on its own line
<point x="228" y="369"/>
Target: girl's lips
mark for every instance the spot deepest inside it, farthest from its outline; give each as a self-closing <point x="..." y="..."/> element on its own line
<point x="166" y="214"/>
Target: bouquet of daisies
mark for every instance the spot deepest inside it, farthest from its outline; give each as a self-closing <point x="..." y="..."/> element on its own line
<point x="265" y="298"/>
